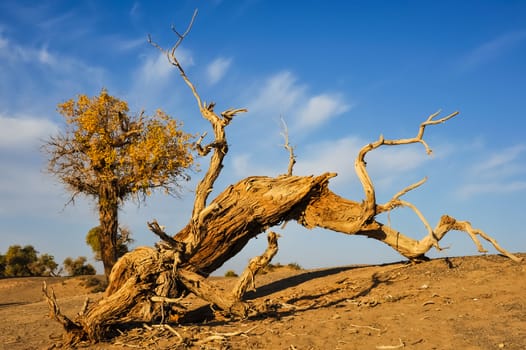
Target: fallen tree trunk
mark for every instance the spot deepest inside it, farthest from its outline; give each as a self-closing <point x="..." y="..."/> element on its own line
<point x="245" y="210"/>
<point x="145" y="279"/>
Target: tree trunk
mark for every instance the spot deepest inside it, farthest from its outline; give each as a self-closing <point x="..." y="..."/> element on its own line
<point x="109" y="223"/>
<point x="245" y="210"/>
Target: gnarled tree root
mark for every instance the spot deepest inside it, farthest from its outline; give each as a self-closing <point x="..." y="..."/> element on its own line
<point x="132" y="294"/>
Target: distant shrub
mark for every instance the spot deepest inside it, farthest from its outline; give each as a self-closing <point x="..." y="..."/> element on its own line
<point x="272" y="267"/>
<point x="25" y="261"/>
<point x="278" y="265"/>
<point x="294" y="266"/>
<point x="124" y="240"/>
<point x="78" y="267"/>
<point x="96" y="284"/>
<point x="231" y="273"/>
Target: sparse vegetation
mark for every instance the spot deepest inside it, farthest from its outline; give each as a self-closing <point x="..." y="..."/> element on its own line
<point x="294" y="266"/>
<point x="97" y="283"/>
<point x="231" y="273"/>
<point x="24" y="262"/>
<point x="123" y="241"/>
<point x="272" y="267"/>
<point x="78" y="266"/>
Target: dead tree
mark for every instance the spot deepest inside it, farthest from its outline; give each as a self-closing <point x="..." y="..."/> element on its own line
<point x="147" y="283"/>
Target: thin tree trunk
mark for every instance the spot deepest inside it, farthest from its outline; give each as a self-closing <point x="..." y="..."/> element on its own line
<point x="109" y="223"/>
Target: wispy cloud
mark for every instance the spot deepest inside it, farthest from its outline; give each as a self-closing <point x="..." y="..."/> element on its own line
<point x="217" y="69"/>
<point x="134" y="11"/>
<point x="320" y="109"/>
<point x="155" y="79"/>
<point x="282" y="94"/>
<point x="30" y="68"/>
<point x="499" y="173"/>
<point x="495" y="188"/>
<point x="244" y="165"/>
<point x="127" y="44"/>
<point x="3" y="41"/>
<point x="492" y="49"/>
<point x="504" y="158"/>
<point x="277" y="94"/>
<point x="13" y="52"/>
<point x="332" y="156"/>
<point x="384" y="165"/>
<point x="155" y="69"/>
<point x="23" y="132"/>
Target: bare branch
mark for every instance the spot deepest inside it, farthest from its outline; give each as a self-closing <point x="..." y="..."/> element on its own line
<point x="182" y="36"/>
<point x="219" y="145"/>
<point x="74" y="332"/>
<point x="159" y="231"/>
<point x="370" y="207"/>
<point x="255" y="265"/>
<point x="288" y="147"/>
<point x="409" y="188"/>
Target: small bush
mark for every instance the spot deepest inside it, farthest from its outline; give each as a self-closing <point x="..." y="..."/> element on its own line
<point x="295" y="266"/>
<point x="278" y="265"/>
<point x="78" y="267"/>
<point x="97" y="284"/>
<point x="231" y="273"/>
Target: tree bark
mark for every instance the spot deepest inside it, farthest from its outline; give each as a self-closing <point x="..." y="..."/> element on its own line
<point x="245" y="210"/>
<point x="109" y="224"/>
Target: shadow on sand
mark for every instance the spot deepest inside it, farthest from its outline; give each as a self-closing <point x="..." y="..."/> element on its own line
<point x="205" y="313"/>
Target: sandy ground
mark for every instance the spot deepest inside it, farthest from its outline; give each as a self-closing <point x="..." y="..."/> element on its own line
<point x="453" y="303"/>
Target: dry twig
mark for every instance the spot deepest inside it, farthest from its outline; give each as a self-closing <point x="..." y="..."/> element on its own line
<point x="386" y="347"/>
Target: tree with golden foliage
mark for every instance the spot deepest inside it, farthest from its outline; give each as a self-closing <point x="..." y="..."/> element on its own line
<point x="111" y="155"/>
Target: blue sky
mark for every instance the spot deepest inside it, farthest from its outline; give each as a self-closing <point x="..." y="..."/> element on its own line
<point x="339" y="73"/>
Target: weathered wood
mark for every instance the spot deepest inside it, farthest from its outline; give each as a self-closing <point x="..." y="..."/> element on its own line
<point x="245" y="210"/>
<point x="255" y="265"/>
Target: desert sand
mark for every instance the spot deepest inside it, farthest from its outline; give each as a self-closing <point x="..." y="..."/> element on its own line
<point x="476" y="302"/>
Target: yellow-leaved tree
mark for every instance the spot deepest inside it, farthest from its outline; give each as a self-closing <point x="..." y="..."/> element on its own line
<point x="110" y="155"/>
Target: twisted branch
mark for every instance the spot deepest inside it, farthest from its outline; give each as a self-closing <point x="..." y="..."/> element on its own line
<point x="219" y="145"/>
<point x="288" y="147"/>
<point x="369" y="209"/>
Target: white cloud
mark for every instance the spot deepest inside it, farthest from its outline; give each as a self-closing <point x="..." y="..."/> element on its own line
<point x="330" y="156"/>
<point x="35" y="69"/>
<point x="19" y="53"/>
<point x="22" y="132"/>
<point x="243" y="165"/>
<point x="321" y="108"/>
<point x="396" y="159"/>
<point x="217" y="69"/>
<point x="130" y="44"/>
<point x="499" y="173"/>
<point x="154" y="81"/>
<point x="134" y="11"/>
<point x="277" y="95"/>
<point x="45" y="57"/>
<point x="495" y="188"/>
<point x="492" y="49"/>
<point x="282" y="95"/>
<point x="505" y="157"/>
<point x="3" y="42"/>
<point x="383" y="164"/>
<point x="156" y="70"/>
